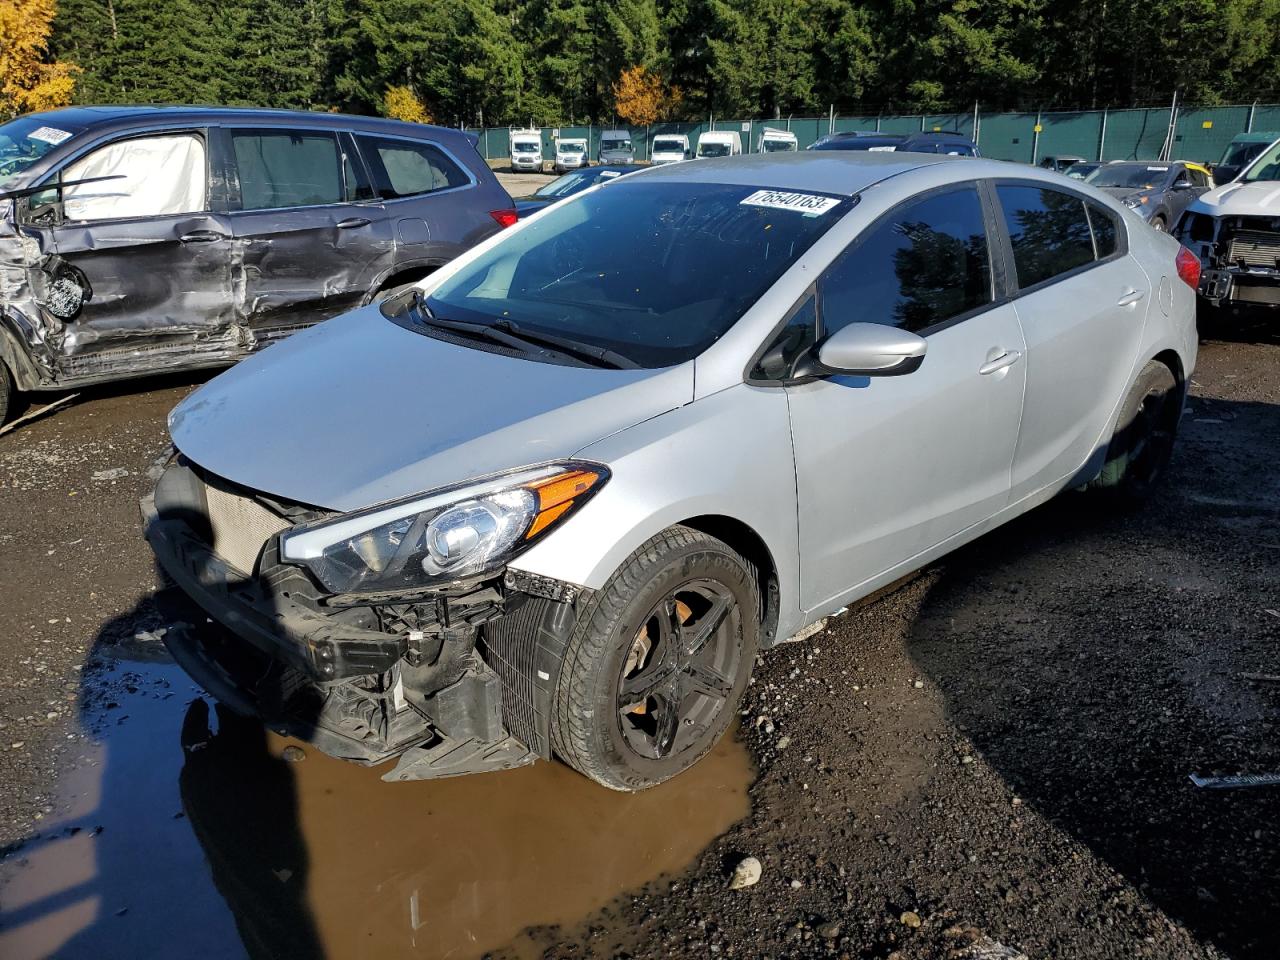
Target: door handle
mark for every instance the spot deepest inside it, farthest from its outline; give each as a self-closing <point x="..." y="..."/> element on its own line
<point x="350" y="222"/>
<point x="1006" y="359"/>
<point x="1130" y="298"/>
<point x="202" y="236"/>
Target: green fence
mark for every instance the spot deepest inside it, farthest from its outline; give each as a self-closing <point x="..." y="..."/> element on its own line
<point x="1198" y="133"/>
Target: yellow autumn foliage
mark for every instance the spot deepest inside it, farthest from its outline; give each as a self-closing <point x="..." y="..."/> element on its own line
<point x="401" y="103"/>
<point x="641" y="97"/>
<point x="28" y="82"/>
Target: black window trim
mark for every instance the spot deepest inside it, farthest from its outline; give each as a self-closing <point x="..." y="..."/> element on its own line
<point x="1000" y="261"/>
<point x="53" y="177"/>
<point x="453" y="158"/>
<point x="1122" y="234"/>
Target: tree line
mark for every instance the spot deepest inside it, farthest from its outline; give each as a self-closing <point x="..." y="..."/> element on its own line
<point x="493" y="62"/>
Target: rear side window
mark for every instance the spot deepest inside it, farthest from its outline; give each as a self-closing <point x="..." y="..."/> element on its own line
<point x="1049" y="231"/>
<point x="1105" y="230"/>
<point x="151" y="177"/>
<point x="282" y="168"/>
<point x="404" y="168"/>
<point x="924" y="264"/>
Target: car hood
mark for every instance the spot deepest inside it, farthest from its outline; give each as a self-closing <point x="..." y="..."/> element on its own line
<point x="358" y="411"/>
<point x="1260" y="198"/>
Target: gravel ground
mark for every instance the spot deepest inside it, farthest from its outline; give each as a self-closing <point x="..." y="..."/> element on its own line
<point x="998" y="749"/>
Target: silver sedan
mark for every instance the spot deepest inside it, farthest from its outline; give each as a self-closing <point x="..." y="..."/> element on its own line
<point x="554" y="500"/>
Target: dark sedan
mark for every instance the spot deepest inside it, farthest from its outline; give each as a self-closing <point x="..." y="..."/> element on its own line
<point x="1156" y="191"/>
<point x="574" y="182"/>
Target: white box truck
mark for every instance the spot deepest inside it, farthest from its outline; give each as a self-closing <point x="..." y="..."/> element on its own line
<point x="719" y="143"/>
<point x="571" y="154"/>
<point x="526" y="151"/>
<point x="776" y="141"/>
<point x="669" y="148"/>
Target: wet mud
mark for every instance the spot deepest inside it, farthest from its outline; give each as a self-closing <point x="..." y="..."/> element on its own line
<point x="188" y="830"/>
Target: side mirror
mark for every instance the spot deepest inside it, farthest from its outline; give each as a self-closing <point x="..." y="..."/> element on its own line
<point x="871" y="350"/>
<point x="1182" y="183"/>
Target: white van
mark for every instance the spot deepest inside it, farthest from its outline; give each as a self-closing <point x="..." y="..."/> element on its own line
<point x="526" y="151"/>
<point x="719" y="143"/>
<point x="776" y="141"/>
<point x="669" y="148"/>
<point x="571" y="153"/>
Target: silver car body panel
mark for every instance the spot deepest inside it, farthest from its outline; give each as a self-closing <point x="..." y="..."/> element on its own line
<point x="892" y="472"/>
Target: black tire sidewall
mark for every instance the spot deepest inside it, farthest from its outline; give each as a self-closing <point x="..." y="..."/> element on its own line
<point x="1131" y="490"/>
<point x="620" y="766"/>
<point x="8" y="395"/>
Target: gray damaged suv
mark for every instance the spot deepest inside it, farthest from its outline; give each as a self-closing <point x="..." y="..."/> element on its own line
<point x="141" y="239"/>
<point x="554" y="500"/>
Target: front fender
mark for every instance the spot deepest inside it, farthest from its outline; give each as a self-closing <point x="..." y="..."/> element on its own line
<point x="725" y="455"/>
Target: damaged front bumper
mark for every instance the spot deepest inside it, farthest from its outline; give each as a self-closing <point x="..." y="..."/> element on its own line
<point x="457" y="681"/>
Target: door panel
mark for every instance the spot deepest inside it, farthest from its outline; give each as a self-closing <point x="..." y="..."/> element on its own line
<point x="890" y="466"/>
<point x="1081" y="347"/>
<point x="309" y="247"/>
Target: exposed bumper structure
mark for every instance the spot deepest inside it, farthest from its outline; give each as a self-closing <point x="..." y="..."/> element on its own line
<point x="458" y="681"/>
<point x="1239" y="257"/>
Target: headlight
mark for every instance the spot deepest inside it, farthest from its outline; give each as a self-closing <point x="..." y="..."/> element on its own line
<point x="1136" y="201"/>
<point x="452" y="534"/>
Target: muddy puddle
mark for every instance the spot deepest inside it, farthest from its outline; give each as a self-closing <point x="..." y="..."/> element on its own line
<point x="184" y="832"/>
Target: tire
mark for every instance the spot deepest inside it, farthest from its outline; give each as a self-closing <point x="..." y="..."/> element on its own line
<point x="1142" y="445"/>
<point x="633" y="708"/>
<point x="1158" y="225"/>
<point x="8" y="394"/>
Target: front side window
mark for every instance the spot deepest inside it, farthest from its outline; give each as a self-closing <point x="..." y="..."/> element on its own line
<point x="654" y="271"/>
<point x="286" y="168"/>
<point x="926" y="263"/>
<point x="1266" y="166"/>
<point x="403" y="168"/>
<point x="1048" y="229"/>
<point x="154" y="176"/>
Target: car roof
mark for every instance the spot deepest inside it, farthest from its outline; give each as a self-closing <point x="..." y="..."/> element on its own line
<point x="115" y="117"/>
<point x="838" y="172"/>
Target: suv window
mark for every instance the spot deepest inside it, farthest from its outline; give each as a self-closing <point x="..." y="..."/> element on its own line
<point x="287" y="168"/>
<point x="158" y="176"/>
<point x="405" y="168"/>
<point x="925" y="263"/>
<point x="1048" y="229"/>
<point x="1198" y="177"/>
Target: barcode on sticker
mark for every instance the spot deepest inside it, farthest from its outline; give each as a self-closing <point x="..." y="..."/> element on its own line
<point x="806" y="203"/>
<point x="48" y="135"/>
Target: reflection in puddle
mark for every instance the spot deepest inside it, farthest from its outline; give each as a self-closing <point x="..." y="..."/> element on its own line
<point x="188" y="834"/>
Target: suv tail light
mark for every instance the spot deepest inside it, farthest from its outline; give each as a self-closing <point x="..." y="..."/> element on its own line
<point x="505" y="218"/>
<point x="1188" y="265"/>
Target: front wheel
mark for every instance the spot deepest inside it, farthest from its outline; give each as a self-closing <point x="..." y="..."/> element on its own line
<point x="1158" y="224"/>
<point x="658" y="662"/>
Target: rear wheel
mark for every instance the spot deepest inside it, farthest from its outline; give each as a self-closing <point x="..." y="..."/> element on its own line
<point x="658" y="663"/>
<point x="1142" y="444"/>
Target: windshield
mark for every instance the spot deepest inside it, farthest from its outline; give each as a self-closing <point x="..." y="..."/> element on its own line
<point x="569" y="183"/>
<point x="24" y="141"/>
<point x="1139" y="176"/>
<point x="573" y="148"/>
<point x="615" y="144"/>
<point x="713" y="149"/>
<point x="655" y="271"/>
<point x="1266" y="167"/>
<point x="668" y="146"/>
<point x="1080" y="171"/>
<point x="778" y="146"/>
<point x="1238" y="154"/>
<point x="525" y="147"/>
<point x="875" y="144"/>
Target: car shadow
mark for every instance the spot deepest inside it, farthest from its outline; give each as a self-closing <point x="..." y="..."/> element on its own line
<point x="1097" y="659"/>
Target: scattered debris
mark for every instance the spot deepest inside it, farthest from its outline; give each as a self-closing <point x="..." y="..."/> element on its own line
<point x="745" y="874"/>
<point x="910" y="918"/>
<point x="784" y="741"/>
<point x="48" y="408"/>
<point x="1237" y="780"/>
<point x="975" y="945"/>
<point x="114" y="473"/>
<point x="1272" y="677"/>
<point x="293" y="753"/>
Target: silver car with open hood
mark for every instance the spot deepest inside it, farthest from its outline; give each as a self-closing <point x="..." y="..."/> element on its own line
<point x="554" y="500"/>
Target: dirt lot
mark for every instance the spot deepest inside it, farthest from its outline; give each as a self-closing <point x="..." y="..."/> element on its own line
<point x="999" y="748"/>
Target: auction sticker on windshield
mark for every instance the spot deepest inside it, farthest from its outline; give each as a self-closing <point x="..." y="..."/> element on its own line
<point x="48" y="135"/>
<point x="807" y="203"/>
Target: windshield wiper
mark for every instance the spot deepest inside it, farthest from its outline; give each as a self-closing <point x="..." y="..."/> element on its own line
<point x="508" y="334"/>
